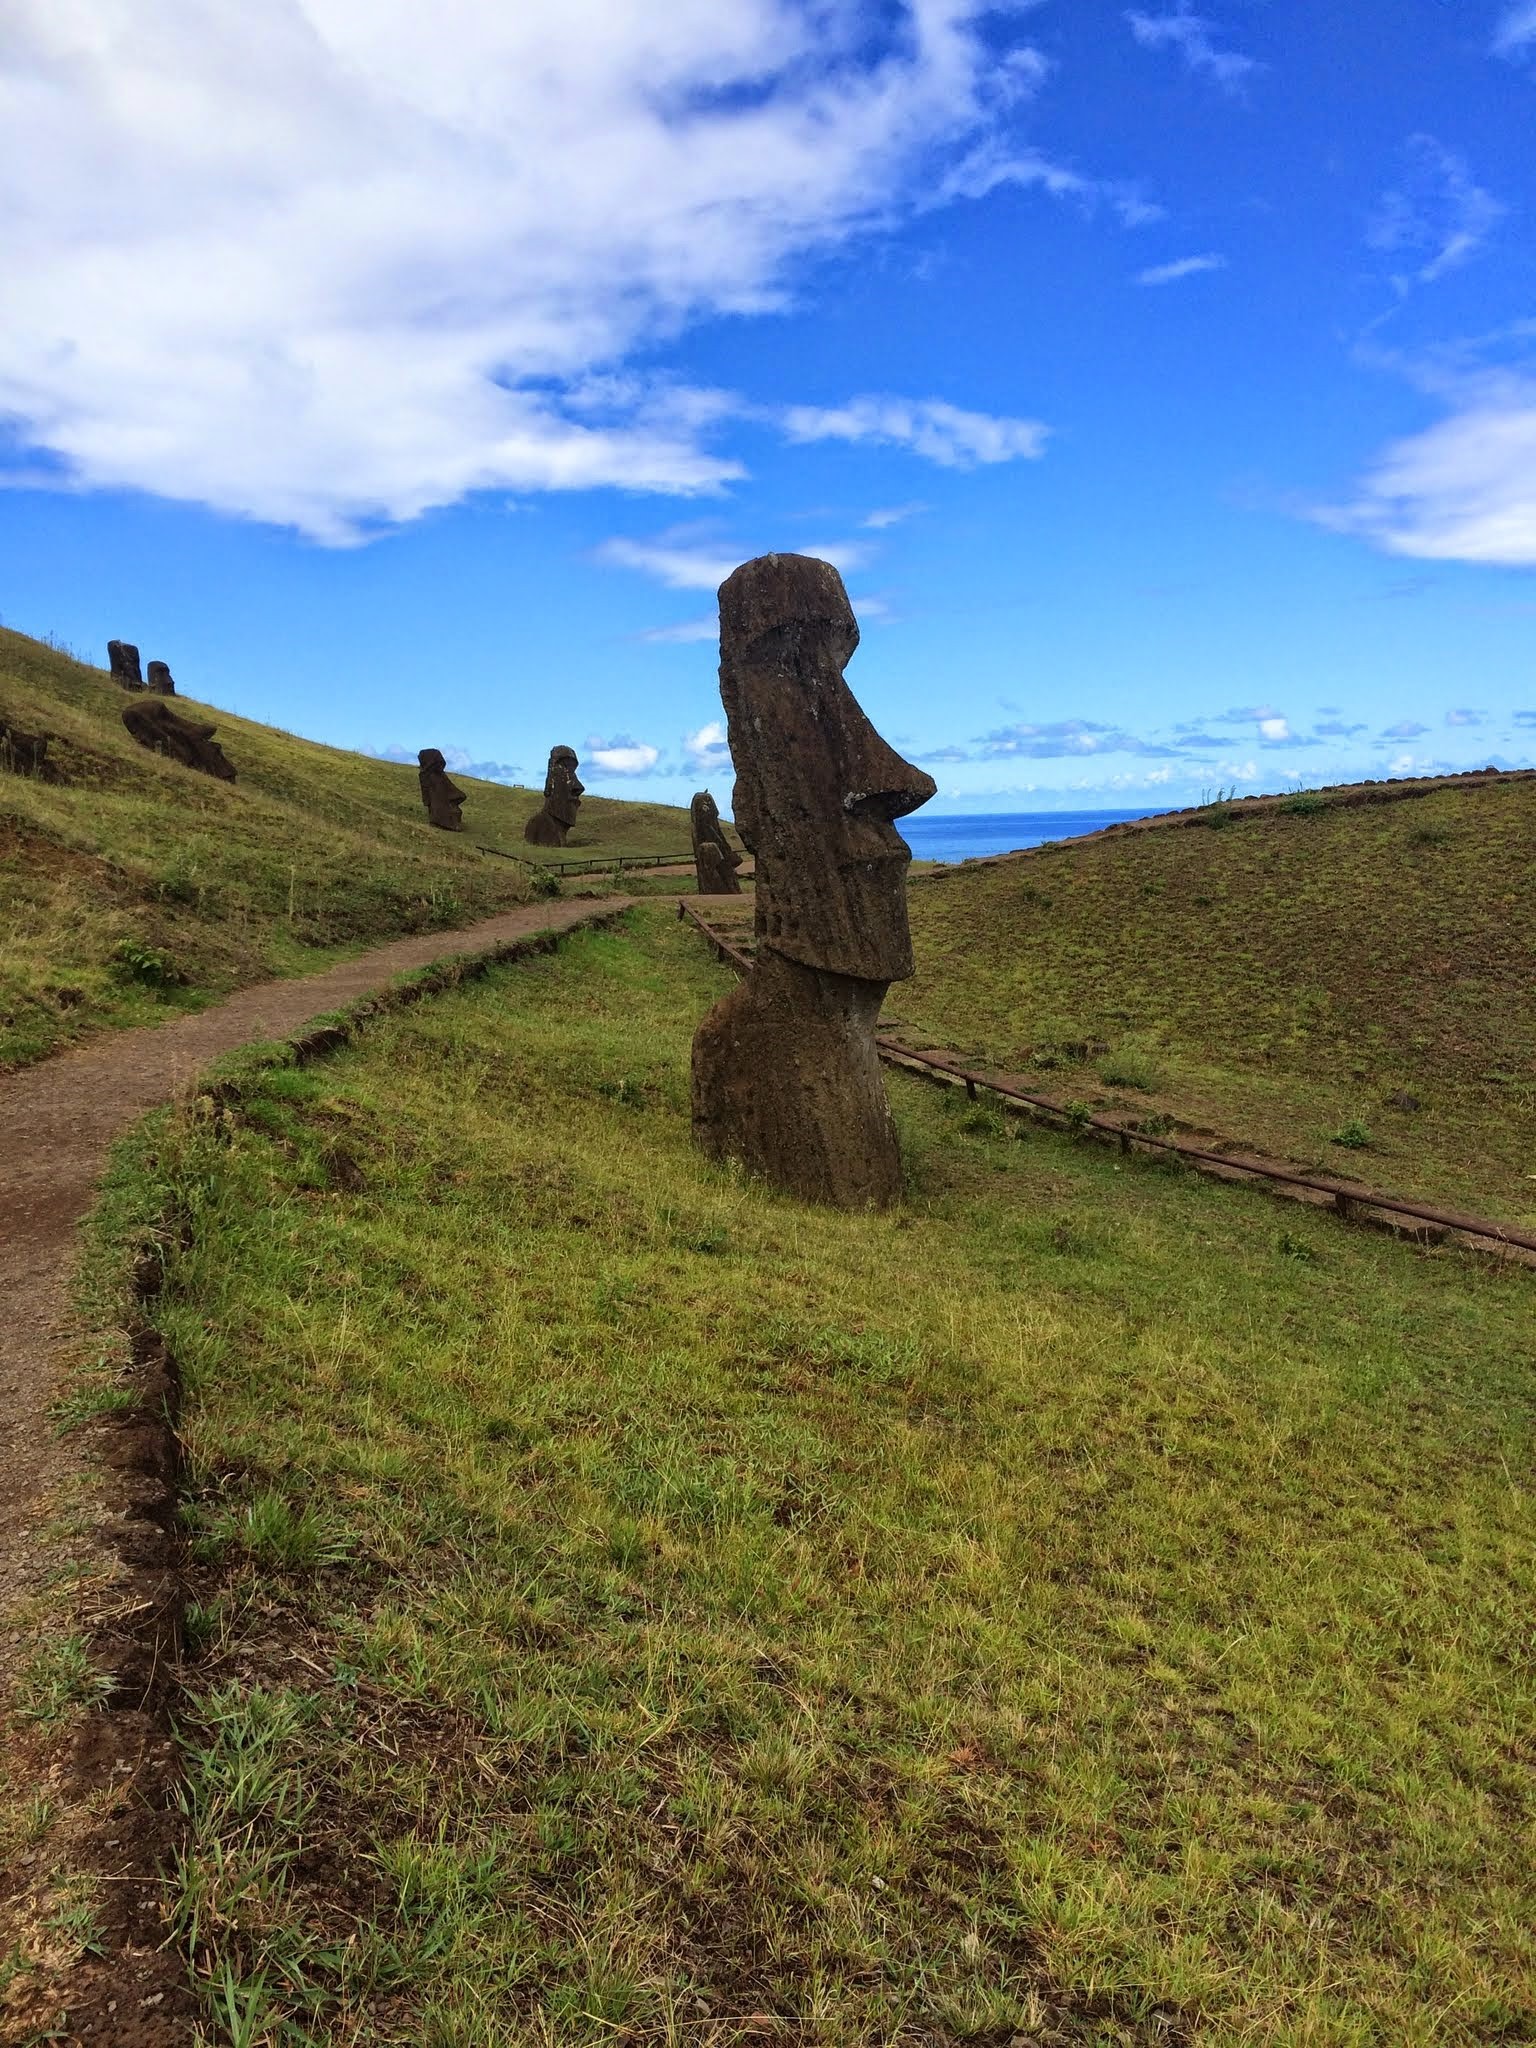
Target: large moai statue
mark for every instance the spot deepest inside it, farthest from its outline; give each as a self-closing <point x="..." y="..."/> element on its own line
<point x="715" y="860"/>
<point x="123" y="661"/>
<point x="444" y="799"/>
<point x="155" y="725"/>
<point x="159" y="681"/>
<point x="551" y="823"/>
<point x="786" y="1077"/>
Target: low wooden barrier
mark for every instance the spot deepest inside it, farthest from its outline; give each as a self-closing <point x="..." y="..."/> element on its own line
<point x="598" y="864"/>
<point x="1350" y="1199"/>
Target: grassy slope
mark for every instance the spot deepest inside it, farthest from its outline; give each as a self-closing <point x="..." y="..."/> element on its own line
<point x="137" y="868"/>
<point x="1086" y="1605"/>
<point x="1273" y="981"/>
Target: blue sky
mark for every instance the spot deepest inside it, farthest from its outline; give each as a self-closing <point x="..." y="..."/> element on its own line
<point x="1162" y="379"/>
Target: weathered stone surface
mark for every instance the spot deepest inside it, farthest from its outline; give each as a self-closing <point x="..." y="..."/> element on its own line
<point x="159" y="680"/>
<point x="785" y="1073"/>
<point x="123" y="660"/>
<point x="26" y="753"/>
<point x="550" y="825"/>
<point x="444" y="799"/>
<point x="715" y="860"/>
<point x="155" y="725"/>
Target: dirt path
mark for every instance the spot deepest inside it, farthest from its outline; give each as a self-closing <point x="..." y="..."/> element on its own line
<point x="57" y="1121"/>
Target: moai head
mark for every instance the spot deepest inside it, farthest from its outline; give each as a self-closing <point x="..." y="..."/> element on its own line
<point x="159" y="681"/>
<point x="444" y="800"/>
<point x="155" y="725"/>
<point x="817" y="789"/>
<point x="562" y="789"/>
<point x="123" y="661"/>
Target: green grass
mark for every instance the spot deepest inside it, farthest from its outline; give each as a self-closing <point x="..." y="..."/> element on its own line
<point x="1291" y="976"/>
<point x="1087" y="1606"/>
<point x="138" y="887"/>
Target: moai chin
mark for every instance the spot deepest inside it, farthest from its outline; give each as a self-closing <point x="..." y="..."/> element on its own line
<point x="786" y="1077"/>
<point x="715" y="860"/>
<point x="550" y="825"/>
<point x="444" y="800"/>
<point x="155" y="725"/>
<point x="159" y="681"/>
<point x="123" y="661"/>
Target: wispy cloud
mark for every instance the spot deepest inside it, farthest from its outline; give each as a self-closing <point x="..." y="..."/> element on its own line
<point x="1184" y="266"/>
<point x="1405" y="729"/>
<point x="1194" y="38"/>
<point x="1438" y="212"/>
<point x="1068" y="738"/>
<point x="1464" y="717"/>
<point x="891" y="515"/>
<point x="1462" y="491"/>
<point x="684" y="632"/>
<point x="1516" y="32"/>
<point x="685" y="558"/>
<point x="390" y="247"/>
<point x="1337" y="729"/>
<point x="941" y="433"/>
<point x="993" y="164"/>
<point x="619" y="756"/>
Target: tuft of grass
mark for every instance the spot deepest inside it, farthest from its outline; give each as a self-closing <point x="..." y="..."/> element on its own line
<point x="1039" y="1611"/>
<point x="1354" y="1134"/>
<point x="57" y="1679"/>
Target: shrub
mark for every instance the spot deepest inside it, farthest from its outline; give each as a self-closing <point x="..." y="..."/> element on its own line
<point x="1354" y="1134"/>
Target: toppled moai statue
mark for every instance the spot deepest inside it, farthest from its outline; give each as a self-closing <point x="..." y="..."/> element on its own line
<point x="786" y="1077"/>
<point x="715" y="860"/>
<point x="159" y="681"/>
<point x="26" y="753"/>
<point x="155" y="725"/>
<point x="551" y="823"/>
<point x="444" y="799"/>
<point x="123" y="661"/>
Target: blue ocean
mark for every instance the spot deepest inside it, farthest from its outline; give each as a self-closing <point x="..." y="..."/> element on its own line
<point x="970" y="836"/>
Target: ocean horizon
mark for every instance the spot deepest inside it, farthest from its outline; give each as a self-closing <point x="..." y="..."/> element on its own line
<point x="974" y="835"/>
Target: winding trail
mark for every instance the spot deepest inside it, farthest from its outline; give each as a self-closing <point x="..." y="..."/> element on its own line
<point x="57" y="1123"/>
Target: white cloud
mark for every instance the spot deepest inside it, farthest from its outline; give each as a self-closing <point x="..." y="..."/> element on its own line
<point x="891" y="515"/>
<point x="941" y="433"/>
<point x="1274" y="729"/>
<point x="335" y="262"/>
<point x="620" y="756"/>
<point x="1186" y="266"/>
<point x="1194" y="39"/>
<point x="683" y="559"/>
<point x="1516" y="31"/>
<point x="1439" y="211"/>
<point x="706" y="751"/>
<point x="1462" y="491"/>
<point x="991" y="165"/>
<point x="684" y="632"/>
<point x="677" y="562"/>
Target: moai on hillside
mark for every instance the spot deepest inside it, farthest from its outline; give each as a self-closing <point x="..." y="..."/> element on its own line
<point x="159" y="681"/>
<point x="715" y="860"/>
<point x="26" y="753"/>
<point x="786" y="1077"/>
<point x="123" y="661"/>
<point x="155" y="725"/>
<point x="444" y="799"/>
<point x="551" y="823"/>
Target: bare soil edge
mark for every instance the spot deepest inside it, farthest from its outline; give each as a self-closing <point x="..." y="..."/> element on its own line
<point x="1339" y="796"/>
<point x="121" y="1773"/>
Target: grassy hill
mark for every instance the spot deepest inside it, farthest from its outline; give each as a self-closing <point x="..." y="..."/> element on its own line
<point x="1312" y="970"/>
<point x="1085" y="1606"/>
<point x="136" y="884"/>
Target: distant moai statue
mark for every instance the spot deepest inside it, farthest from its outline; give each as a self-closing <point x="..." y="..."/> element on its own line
<point x="155" y="725"/>
<point x="159" y="680"/>
<point x="550" y="825"/>
<point x="444" y="799"/>
<point x="123" y="660"/>
<point x="715" y="860"/>
<point x="26" y="753"/>
<point x="786" y="1077"/>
